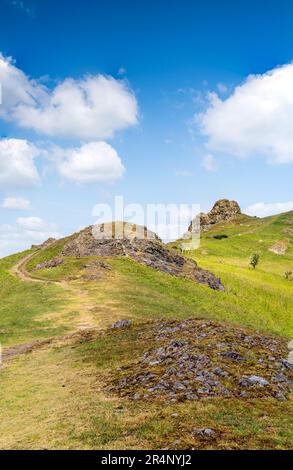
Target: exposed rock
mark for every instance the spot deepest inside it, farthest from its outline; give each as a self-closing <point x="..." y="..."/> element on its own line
<point x="46" y="243"/>
<point x="52" y="263"/>
<point x="204" y="433"/>
<point x="95" y="270"/>
<point x="233" y="356"/>
<point x="223" y="210"/>
<point x="149" y="251"/>
<point x="121" y="324"/>
<point x="253" y="380"/>
<point x="279" y="248"/>
<point x="179" y="364"/>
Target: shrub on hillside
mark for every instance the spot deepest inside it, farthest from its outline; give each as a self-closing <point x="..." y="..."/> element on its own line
<point x="254" y="259"/>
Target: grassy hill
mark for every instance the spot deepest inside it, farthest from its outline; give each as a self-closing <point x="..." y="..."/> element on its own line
<point x="60" y="383"/>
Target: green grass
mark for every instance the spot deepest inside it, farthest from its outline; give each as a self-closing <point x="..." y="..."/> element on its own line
<point x="260" y="298"/>
<point x="61" y="390"/>
<point x="249" y="301"/>
<point x="25" y="305"/>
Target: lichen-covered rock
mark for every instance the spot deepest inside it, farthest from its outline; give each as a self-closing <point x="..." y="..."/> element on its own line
<point x="223" y="210"/>
<point x="143" y="246"/>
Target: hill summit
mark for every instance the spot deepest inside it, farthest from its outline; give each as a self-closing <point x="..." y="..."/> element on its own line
<point x="223" y="210"/>
<point x="137" y="242"/>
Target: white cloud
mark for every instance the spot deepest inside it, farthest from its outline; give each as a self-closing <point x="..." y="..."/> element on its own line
<point x="33" y="223"/>
<point x="261" y="209"/>
<point x="94" y="161"/>
<point x="26" y="231"/>
<point x="209" y="163"/>
<point x="17" y="168"/>
<point x="93" y="107"/>
<point x="18" y="203"/>
<point x="257" y="119"/>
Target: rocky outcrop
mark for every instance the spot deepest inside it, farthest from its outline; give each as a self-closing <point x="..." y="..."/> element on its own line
<point x="45" y="244"/>
<point x="149" y="251"/>
<point x="223" y="210"/>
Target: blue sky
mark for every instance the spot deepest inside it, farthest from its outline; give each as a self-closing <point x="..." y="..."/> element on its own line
<point x="186" y="125"/>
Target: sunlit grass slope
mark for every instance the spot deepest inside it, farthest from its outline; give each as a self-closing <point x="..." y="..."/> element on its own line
<point x="260" y="298"/>
<point x="24" y="306"/>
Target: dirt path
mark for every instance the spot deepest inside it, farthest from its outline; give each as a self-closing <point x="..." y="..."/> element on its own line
<point x="20" y="271"/>
<point x="79" y="301"/>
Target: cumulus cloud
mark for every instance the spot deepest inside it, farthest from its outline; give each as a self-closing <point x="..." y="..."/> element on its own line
<point x="261" y="209"/>
<point x="209" y="162"/>
<point x="17" y="203"/>
<point x="92" y="162"/>
<point x="17" y="167"/>
<point x="256" y="120"/>
<point x="93" y="107"/>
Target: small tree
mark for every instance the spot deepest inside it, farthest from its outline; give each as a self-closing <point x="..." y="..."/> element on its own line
<point x="288" y="275"/>
<point x="254" y="259"/>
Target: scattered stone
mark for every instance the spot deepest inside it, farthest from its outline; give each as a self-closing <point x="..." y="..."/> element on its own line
<point x="253" y="380"/>
<point x="178" y="364"/>
<point x="52" y="263"/>
<point x="176" y="443"/>
<point x="286" y="364"/>
<point x="280" y="396"/>
<point x="121" y="324"/>
<point x="234" y="356"/>
<point x="204" y="433"/>
<point x="279" y="378"/>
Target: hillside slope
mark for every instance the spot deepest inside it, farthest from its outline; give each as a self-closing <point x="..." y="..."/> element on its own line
<point x="63" y="323"/>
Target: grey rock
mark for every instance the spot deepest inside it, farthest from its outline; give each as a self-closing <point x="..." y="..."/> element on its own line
<point x="253" y="380"/>
<point x="204" y="433"/>
<point x="179" y="386"/>
<point x="279" y="378"/>
<point x="286" y="364"/>
<point x="121" y="324"/>
<point x="233" y="356"/>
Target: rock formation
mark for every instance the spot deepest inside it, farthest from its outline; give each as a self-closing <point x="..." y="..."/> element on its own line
<point x="223" y="210"/>
<point x="139" y="244"/>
